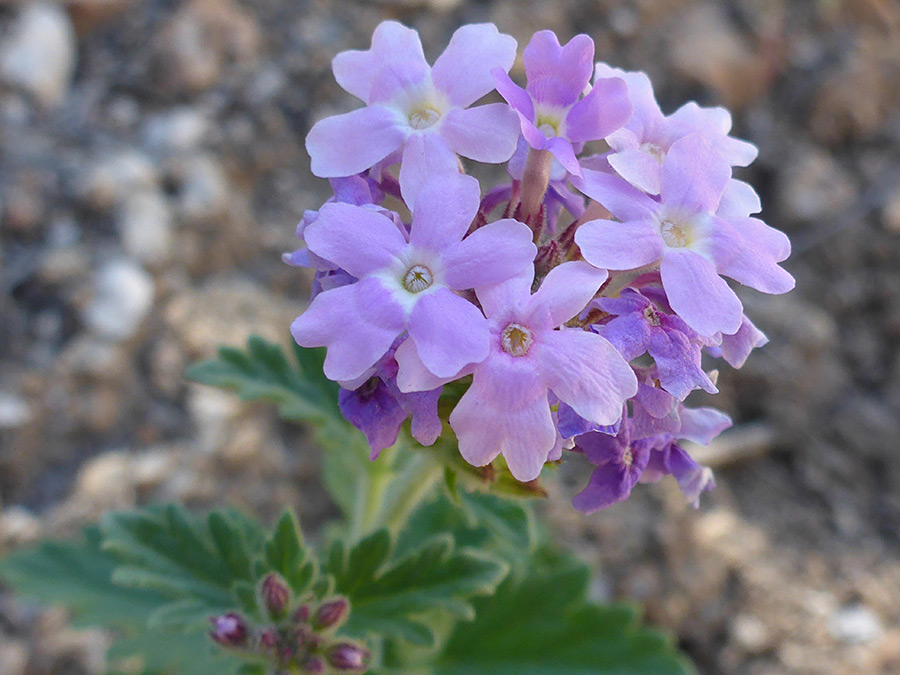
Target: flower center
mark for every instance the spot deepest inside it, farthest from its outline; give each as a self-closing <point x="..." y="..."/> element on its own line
<point x="548" y="125"/>
<point x="628" y="457"/>
<point x="676" y="235"/>
<point x="652" y="148"/>
<point x="516" y="339"/>
<point x="424" y="117"/>
<point x="417" y="279"/>
<point x="651" y="315"/>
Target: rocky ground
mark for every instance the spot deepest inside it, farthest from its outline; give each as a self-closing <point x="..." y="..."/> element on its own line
<point x="151" y="174"/>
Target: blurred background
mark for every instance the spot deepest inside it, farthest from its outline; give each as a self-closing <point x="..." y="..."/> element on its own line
<point x="152" y="171"/>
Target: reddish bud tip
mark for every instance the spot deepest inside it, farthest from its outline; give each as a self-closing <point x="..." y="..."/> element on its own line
<point x="349" y="658"/>
<point x="229" y="630"/>
<point x="314" y="666"/>
<point x="301" y="614"/>
<point x="331" y="613"/>
<point x="275" y="594"/>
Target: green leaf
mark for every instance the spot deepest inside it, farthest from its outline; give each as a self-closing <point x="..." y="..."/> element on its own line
<point x="544" y="623"/>
<point x="286" y="554"/>
<point x="391" y="596"/>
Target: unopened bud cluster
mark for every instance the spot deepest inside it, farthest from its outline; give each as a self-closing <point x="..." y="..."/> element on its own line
<point x="297" y="637"/>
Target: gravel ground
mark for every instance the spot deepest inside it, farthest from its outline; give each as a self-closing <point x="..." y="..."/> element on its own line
<point x="151" y="174"/>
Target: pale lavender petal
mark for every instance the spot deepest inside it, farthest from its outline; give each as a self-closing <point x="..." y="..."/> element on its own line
<point x="562" y="149"/>
<point x="425" y="155"/>
<point x="412" y="375"/>
<point x="534" y="136"/>
<point x="426" y="424"/>
<point x="444" y="209"/>
<point x="557" y="75"/>
<point x="749" y="259"/>
<point x="564" y="292"/>
<point x="678" y="364"/>
<point x="619" y="246"/>
<point x="638" y="167"/>
<point x="701" y="425"/>
<point x="508" y="298"/>
<point x="736" y="348"/>
<point x="647" y="114"/>
<point x="506" y="411"/>
<point x="491" y="254"/>
<point x="605" y="109"/>
<point x="449" y="331"/>
<point x="358" y="323"/>
<point x="623" y="200"/>
<point x="586" y="372"/>
<point x="517" y="97"/>
<point x="463" y="71"/>
<point x="738" y="201"/>
<point x="692" y="478"/>
<point x="609" y="484"/>
<point x="698" y="294"/>
<point x="394" y="46"/>
<point x="347" y="144"/>
<point x="486" y="134"/>
<point x="774" y="243"/>
<point x="694" y="175"/>
<point x="355" y="238"/>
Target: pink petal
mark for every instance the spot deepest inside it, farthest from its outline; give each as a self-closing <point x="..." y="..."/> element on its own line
<point x="605" y="109"/>
<point x="425" y="155"/>
<point x="358" y="323"/>
<point x="505" y="411"/>
<point x="564" y="292"/>
<point x="394" y="47"/>
<point x="412" y="375"/>
<point x="449" y="331"/>
<point x="355" y="238"/>
<point x="619" y="246"/>
<point x="623" y="200"/>
<point x="347" y="144"/>
<point x="586" y="372"/>
<point x="487" y="133"/>
<point x="738" y="201"/>
<point x="443" y="211"/>
<point x="698" y="294"/>
<point x="491" y="254"/>
<point x="693" y="174"/>
<point x="463" y="71"/>
<point x="638" y="167"/>
<point x="750" y="255"/>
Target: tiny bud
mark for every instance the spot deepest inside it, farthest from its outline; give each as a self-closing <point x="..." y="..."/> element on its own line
<point x="314" y="666"/>
<point x="347" y="657"/>
<point x="331" y="613"/>
<point x="301" y="614"/>
<point x="275" y="594"/>
<point x="229" y="630"/>
<point x="268" y="639"/>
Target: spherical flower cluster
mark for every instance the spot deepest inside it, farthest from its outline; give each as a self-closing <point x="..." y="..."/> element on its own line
<point x="578" y="317"/>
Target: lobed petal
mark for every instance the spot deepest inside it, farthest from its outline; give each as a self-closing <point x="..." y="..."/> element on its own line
<point x="557" y="75"/>
<point x="605" y="109"/>
<point x="348" y="144"/>
<point x="694" y="175"/>
<point x="638" y="167"/>
<point x="358" y="323"/>
<point x="619" y="246"/>
<point x="444" y="209"/>
<point x="698" y="294"/>
<point x="449" y="332"/>
<point x="425" y="155"/>
<point x="355" y="238"/>
<point x="564" y="292"/>
<point x="486" y="134"/>
<point x="463" y="71"/>
<point x="623" y="200"/>
<point x="490" y="255"/>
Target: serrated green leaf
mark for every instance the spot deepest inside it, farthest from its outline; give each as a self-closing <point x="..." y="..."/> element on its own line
<point x="286" y="554"/>
<point x="174" y="653"/>
<point x="543" y="623"/>
<point x="389" y="597"/>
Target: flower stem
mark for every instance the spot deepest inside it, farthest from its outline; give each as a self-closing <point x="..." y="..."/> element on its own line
<point x="413" y="486"/>
<point x="535" y="180"/>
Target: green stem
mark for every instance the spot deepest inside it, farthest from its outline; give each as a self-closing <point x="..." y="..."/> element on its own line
<point x="369" y="506"/>
<point x="413" y="487"/>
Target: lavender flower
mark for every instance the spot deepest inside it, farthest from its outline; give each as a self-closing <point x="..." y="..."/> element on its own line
<point x="550" y="113"/>
<point x="639" y="327"/>
<point x="408" y="285"/>
<point x="683" y="232"/>
<point x="639" y="148"/>
<point x="423" y="110"/>
<point x="506" y="411"/>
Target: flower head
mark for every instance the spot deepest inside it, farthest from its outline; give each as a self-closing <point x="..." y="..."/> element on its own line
<point x="422" y="109"/>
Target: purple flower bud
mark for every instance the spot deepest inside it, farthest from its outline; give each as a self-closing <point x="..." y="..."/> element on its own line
<point x="332" y="613"/>
<point x="268" y="640"/>
<point x="229" y="630"/>
<point x="275" y="594"/>
<point x="314" y="666"/>
<point x="348" y="657"/>
<point x="301" y="614"/>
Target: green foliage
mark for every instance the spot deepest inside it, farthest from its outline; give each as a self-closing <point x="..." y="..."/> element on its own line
<point x="390" y="595"/>
<point x="542" y="622"/>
